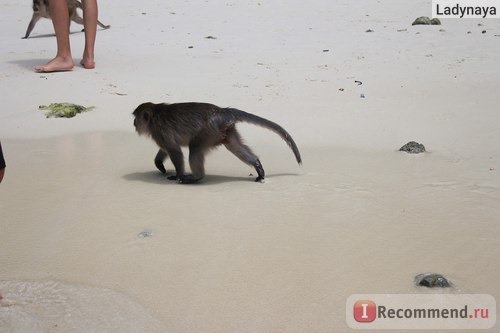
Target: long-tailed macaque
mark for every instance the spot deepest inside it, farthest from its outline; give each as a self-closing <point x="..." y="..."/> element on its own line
<point x="201" y="127"/>
<point x="41" y="9"/>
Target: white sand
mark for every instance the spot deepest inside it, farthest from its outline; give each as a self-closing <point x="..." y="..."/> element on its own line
<point x="230" y="255"/>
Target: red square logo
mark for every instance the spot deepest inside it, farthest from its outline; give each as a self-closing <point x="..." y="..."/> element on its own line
<point x="365" y="311"/>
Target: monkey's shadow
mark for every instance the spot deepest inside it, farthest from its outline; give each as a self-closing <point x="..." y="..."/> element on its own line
<point x="35" y="36"/>
<point x="155" y="177"/>
<point x="41" y="36"/>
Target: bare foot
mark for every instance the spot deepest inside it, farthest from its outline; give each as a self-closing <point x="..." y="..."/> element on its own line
<point x="58" y="64"/>
<point x="88" y="63"/>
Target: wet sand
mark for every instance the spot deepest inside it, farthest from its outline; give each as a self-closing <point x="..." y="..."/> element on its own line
<point x="232" y="255"/>
<point x="83" y="212"/>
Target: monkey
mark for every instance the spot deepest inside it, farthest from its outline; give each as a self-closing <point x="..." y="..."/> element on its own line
<point x="201" y="127"/>
<point x="41" y="9"/>
<point x="2" y="172"/>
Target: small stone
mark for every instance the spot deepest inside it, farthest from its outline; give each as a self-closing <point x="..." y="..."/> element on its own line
<point x="435" y="21"/>
<point x="413" y="147"/>
<point x="145" y="234"/>
<point x="431" y="280"/>
<point x="422" y="20"/>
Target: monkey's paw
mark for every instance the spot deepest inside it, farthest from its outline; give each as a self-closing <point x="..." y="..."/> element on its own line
<point x="159" y="166"/>
<point x="260" y="180"/>
<point x="187" y="179"/>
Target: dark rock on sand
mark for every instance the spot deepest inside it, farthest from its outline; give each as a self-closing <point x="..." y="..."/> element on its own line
<point x="413" y="147"/>
<point x="431" y="280"/>
<point x="145" y="234"/>
<point x="424" y="20"/>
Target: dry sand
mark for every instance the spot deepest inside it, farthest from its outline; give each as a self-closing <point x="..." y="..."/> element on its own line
<point x="230" y="255"/>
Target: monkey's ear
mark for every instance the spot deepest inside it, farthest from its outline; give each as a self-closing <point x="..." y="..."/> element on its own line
<point x="144" y="111"/>
<point x="148" y="114"/>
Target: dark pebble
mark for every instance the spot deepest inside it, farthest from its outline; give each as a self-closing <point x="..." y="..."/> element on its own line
<point x="413" y="147"/>
<point x="431" y="280"/>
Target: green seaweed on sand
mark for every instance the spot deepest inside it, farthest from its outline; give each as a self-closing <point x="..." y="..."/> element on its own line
<point x="63" y="110"/>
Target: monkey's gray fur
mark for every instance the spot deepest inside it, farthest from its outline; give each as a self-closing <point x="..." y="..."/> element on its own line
<point x="41" y="9"/>
<point x="201" y="127"/>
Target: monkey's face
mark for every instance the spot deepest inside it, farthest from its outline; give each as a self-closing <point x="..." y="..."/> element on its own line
<point x="141" y="125"/>
<point x="142" y="118"/>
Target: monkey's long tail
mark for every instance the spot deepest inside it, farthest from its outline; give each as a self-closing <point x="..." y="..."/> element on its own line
<point x="259" y="121"/>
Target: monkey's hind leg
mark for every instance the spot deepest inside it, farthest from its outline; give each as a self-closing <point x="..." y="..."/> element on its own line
<point x="31" y="25"/>
<point x="177" y="159"/>
<point x="102" y="25"/>
<point x="78" y="19"/>
<point x="236" y="146"/>
<point x="159" y="159"/>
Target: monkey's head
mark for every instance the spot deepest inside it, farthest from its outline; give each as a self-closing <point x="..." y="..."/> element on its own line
<point x="143" y="114"/>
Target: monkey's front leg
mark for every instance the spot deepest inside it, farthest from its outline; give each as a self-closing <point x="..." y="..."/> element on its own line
<point x="159" y="159"/>
<point x="196" y="162"/>
<point x="177" y="159"/>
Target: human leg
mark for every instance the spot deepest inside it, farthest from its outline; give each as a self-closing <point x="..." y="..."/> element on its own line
<point x="63" y="60"/>
<point x="90" y="13"/>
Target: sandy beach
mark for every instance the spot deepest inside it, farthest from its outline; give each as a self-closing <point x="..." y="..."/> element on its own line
<point x="94" y="239"/>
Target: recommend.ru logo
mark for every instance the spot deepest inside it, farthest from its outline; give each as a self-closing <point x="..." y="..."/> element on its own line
<point x="416" y="311"/>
